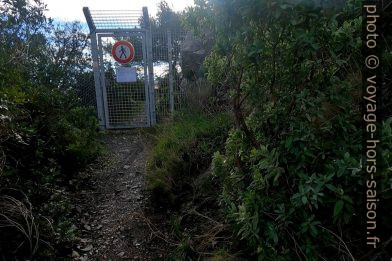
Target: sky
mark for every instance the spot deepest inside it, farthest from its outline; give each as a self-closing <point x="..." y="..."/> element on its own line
<point x="71" y="10"/>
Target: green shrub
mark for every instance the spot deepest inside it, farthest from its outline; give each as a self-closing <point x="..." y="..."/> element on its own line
<point x="46" y="139"/>
<point x="50" y="129"/>
<point x="184" y="149"/>
<point x="291" y="169"/>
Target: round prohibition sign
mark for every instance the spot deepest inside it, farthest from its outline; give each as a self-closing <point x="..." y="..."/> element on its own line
<point x="123" y="52"/>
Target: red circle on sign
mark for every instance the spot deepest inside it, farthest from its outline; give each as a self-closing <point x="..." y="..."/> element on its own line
<point x="127" y="58"/>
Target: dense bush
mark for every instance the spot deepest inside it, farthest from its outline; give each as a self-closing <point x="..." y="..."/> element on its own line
<point x="183" y="151"/>
<point x="45" y="132"/>
<point x="49" y="128"/>
<point x="291" y="170"/>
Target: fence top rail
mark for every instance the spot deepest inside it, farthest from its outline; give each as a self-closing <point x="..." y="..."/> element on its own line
<point x="113" y="19"/>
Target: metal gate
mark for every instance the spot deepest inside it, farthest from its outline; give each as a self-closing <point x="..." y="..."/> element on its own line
<point x="122" y="105"/>
<point x="126" y="104"/>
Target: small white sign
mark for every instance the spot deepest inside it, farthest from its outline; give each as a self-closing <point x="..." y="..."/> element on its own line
<point x="126" y="74"/>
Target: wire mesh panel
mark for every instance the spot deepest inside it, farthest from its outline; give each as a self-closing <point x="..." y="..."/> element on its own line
<point x="85" y="88"/>
<point x="167" y="72"/>
<point x="161" y="74"/>
<point x="177" y="39"/>
<point x="116" y="19"/>
<point x="126" y="104"/>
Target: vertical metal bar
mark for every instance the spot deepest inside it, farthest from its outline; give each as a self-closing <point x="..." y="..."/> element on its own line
<point x="98" y="86"/>
<point x="94" y="53"/>
<point x="103" y="83"/>
<point x="170" y="59"/>
<point x="150" y="66"/>
<point x="146" y="88"/>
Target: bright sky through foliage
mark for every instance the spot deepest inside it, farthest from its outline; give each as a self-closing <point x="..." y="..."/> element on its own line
<point x="72" y="9"/>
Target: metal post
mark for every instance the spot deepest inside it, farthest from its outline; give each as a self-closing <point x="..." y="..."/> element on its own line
<point x="94" y="53"/>
<point x="103" y="82"/>
<point x="150" y="66"/>
<point x="146" y="86"/>
<point x="170" y="58"/>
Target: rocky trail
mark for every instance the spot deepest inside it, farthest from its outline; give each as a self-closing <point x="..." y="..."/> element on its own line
<point x="111" y="203"/>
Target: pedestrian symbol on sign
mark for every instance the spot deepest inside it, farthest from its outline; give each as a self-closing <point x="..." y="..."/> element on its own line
<point x="123" y="52"/>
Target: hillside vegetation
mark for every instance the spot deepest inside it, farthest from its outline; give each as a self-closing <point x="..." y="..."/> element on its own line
<point x="45" y="133"/>
<point x="289" y="179"/>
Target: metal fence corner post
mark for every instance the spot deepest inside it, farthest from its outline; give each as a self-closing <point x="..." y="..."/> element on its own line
<point x="150" y="64"/>
<point x="94" y="54"/>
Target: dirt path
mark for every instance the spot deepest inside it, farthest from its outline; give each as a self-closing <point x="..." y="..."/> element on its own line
<point x="111" y="204"/>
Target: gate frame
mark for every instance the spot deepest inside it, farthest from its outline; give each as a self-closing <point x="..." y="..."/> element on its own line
<point x="147" y="103"/>
<point x="97" y="56"/>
